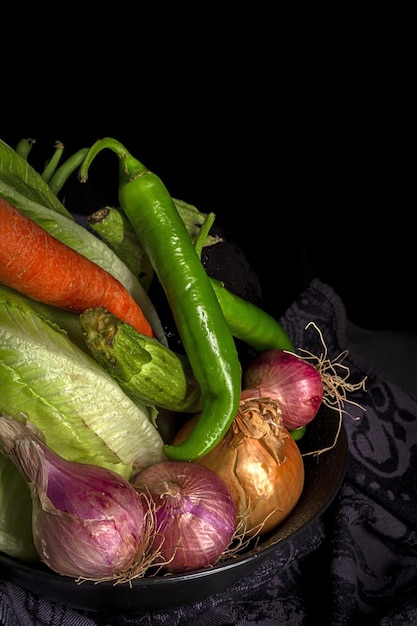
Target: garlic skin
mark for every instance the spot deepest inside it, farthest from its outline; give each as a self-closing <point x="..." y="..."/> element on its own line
<point x="87" y="521"/>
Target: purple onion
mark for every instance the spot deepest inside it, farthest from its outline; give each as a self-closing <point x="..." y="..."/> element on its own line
<point x="295" y="384"/>
<point x="194" y="514"/>
<point x="87" y="521"/>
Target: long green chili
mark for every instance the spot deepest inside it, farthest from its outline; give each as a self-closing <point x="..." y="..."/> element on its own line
<point x="250" y="323"/>
<point x="246" y="321"/>
<point x="203" y="330"/>
<point x="116" y="230"/>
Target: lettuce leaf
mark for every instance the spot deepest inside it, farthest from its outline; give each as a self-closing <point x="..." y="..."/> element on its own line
<point x="20" y="180"/>
<point x="81" y="411"/>
<point x="16" y="537"/>
<point x="78" y="408"/>
<point x="50" y="380"/>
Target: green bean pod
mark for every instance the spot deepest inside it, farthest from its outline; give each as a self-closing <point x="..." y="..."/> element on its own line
<point x="24" y="147"/>
<point x="52" y="164"/>
<point x="65" y="170"/>
<point x="204" y="332"/>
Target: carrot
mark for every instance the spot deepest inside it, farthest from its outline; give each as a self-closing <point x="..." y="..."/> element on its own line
<point x="40" y="266"/>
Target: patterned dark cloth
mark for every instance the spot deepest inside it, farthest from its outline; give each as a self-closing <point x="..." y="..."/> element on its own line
<point x="357" y="564"/>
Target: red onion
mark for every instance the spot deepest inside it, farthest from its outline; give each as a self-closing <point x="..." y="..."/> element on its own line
<point x="87" y="520"/>
<point x="194" y="514"/>
<point x="296" y="385"/>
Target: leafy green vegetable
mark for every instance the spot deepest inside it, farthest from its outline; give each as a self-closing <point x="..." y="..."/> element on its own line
<point x="20" y="181"/>
<point x="15" y="514"/>
<point x="81" y="411"/>
<point x="23" y="187"/>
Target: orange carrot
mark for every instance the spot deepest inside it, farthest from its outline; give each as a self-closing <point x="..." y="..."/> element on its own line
<point x="40" y="266"/>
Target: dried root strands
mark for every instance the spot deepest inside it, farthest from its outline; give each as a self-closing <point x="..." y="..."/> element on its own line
<point x="260" y="462"/>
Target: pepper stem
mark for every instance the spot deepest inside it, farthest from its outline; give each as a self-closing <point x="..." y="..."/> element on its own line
<point x="203" y="232"/>
<point x="98" y="146"/>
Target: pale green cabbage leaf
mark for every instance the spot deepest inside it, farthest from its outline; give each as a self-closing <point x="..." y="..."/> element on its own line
<point x="82" y="412"/>
<point x="16" y="537"/>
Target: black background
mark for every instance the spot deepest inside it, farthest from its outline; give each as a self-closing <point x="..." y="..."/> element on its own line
<point x="308" y="166"/>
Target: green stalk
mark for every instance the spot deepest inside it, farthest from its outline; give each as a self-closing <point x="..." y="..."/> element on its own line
<point x="203" y="233"/>
<point x="52" y="164"/>
<point x="194" y="220"/>
<point x="24" y="147"/>
<point x="116" y="231"/>
<point x="65" y="170"/>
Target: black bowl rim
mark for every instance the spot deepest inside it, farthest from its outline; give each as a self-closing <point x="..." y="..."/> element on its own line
<point x="320" y="489"/>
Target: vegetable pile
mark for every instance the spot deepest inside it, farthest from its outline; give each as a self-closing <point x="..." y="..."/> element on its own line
<point x="120" y="456"/>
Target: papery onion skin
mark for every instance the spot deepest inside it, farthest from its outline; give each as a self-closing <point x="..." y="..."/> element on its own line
<point x="87" y="521"/>
<point x="261" y="464"/>
<point x="295" y="383"/>
<point x="194" y="514"/>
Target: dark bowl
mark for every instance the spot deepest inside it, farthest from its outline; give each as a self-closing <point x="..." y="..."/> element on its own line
<point x="323" y="478"/>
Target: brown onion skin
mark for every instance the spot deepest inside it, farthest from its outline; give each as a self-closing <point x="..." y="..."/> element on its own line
<point x="265" y="475"/>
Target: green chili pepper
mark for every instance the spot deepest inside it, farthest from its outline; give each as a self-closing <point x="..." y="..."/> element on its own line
<point x="204" y="332"/>
<point x="250" y="323"/>
<point x="246" y="321"/>
<point x="298" y="433"/>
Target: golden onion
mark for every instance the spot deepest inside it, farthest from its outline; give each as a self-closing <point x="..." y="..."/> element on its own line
<point x="259" y="461"/>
